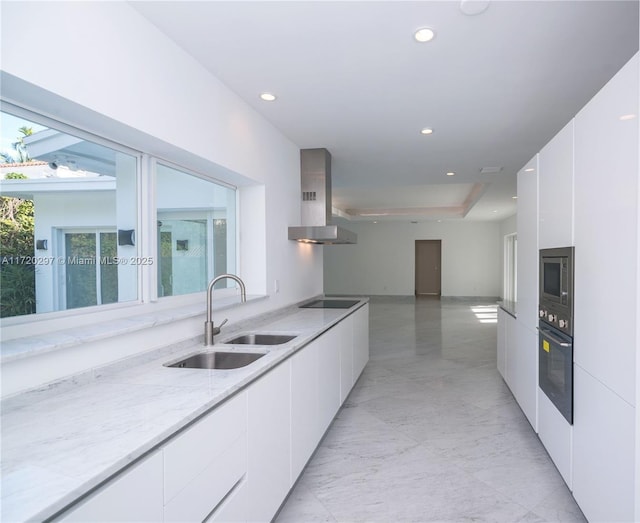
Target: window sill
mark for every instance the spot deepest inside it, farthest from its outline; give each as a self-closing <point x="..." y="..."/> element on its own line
<point x="28" y="346"/>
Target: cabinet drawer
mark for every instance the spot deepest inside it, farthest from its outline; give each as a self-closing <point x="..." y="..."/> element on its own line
<point x="206" y="491"/>
<point x="193" y="451"/>
<point x="135" y="495"/>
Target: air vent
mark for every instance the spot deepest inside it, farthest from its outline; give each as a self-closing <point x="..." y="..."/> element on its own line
<point x="308" y="196"/>
<point x="490" y="170"/>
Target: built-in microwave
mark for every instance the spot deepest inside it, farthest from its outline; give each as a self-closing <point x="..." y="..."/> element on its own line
<point x="556" y="288"/>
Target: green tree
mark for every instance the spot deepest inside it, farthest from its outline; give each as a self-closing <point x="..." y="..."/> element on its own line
<point x="17" y="279"/>
<point x="22" y="156"/>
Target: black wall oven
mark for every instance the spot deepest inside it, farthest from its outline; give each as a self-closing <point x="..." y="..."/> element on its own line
<point x="555" y="370"/>
<point x="555" y="345"/>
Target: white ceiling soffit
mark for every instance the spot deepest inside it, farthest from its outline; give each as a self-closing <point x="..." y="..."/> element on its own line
<point x="495" y="84"/>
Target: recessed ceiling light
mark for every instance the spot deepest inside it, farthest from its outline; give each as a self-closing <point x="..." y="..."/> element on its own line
<point x="451" y="174"/>
<point x="268" y="97"/>
<point x="529" y="170"/>
<point x="514" y="197"/>
<point x="427" y="130"/>
<point x="494" y="210"/>
<point x="627" y="117"/>
<point x="424" y="34"/>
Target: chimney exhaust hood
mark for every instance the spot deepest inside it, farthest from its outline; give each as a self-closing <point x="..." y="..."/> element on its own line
<point x="315" y="173"/>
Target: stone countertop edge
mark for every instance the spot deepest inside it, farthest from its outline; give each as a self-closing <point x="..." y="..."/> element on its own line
<point x="509" y="307"/>
<point x="39" y="480"/>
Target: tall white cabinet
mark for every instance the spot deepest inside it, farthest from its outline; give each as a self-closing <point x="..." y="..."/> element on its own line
<point x="606" y="300"/>
<point x="583" y="189"/>
<point x="555" y="229"/>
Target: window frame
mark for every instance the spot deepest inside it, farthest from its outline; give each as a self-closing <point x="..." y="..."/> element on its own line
<point x="510" y="268"/>
<point x="146" y="244"/>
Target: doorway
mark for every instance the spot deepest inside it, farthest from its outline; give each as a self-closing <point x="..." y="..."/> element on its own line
<point x="428" y="262"/>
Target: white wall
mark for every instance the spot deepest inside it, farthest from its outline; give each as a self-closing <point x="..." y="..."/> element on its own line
<point x="124" y="80"/>
<point x="170" y="106"/>
<point x="383" y="260"/>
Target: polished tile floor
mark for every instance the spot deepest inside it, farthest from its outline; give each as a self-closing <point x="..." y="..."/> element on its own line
<point x="430" y="432"/>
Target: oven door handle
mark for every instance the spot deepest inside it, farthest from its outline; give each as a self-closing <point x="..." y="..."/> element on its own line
<point x="548" y="334"/>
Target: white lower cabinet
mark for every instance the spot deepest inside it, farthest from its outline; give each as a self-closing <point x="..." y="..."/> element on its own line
<point x="305" y="426"/>
<point x="238" y="462"/>
<point x="604" y="444"/>
<point x="269" y="469"/>
<point x="360" y="340"/>
<point x="523" y="344"/>
<point x="315" y="395"/>
<point x="135" y="495"/>
<point x="205" y="463"/>
<point x="345" y="332"/>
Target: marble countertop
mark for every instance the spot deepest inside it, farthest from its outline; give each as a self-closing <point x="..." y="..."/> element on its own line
<point x="61" y="441"/>
<point x="508" y="306"/>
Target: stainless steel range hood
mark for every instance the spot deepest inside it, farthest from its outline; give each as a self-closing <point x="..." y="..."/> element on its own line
<point x="315" y="172"/>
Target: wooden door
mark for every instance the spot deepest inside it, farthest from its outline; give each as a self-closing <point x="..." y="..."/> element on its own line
<point x="428" y="258"/>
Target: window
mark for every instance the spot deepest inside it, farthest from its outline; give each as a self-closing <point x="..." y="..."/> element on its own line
<point x="70" y="217"/>
<point x="196" y="231"/>
<point x="90" y="274"/>
<point x="510" y="290"/>
<point x="64" y="197"/>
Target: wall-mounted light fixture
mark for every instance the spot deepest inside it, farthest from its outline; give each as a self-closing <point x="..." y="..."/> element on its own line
<point x="182" y="245"/>
<point x="126" y="237"/>
<point x="41" y="245"/>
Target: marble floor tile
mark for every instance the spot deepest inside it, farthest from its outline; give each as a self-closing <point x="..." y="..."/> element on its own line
<point x="430" y="432"/>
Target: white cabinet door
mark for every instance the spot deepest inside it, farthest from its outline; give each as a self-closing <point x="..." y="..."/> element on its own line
<point x="606" y="292"/>
<point x="206" y="462"/>
<point x="606" y="231"/>
<point x="345" y="330"/>
<point x="316" y="379"/>
<point x="135" y="495"/>
<point x="360" y="340"/>
<point x="527" y="271"/>
<point x="305" y="420"/>
<point x="268" y="474"/>
<point x="522" y="345"/>
<point x="555" y="186"/>
<point x="328" y="376"/>
<point x="603" y="446"/>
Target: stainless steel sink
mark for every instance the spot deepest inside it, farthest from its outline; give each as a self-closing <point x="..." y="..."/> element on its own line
<point x="217" y="360"/>
<point x="260" y="339"/>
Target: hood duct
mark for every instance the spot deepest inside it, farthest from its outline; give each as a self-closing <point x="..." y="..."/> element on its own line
<point x="315" y="173"/>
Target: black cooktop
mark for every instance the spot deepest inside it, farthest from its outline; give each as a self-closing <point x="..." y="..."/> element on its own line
<point x="329" y="304"/>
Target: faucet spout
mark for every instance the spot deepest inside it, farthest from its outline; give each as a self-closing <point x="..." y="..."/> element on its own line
<point x="210" y="330"/>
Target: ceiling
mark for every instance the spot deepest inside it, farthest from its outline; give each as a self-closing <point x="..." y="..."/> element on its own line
<point x="495" y="87"/>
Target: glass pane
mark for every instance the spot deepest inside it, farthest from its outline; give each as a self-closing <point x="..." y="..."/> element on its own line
<point x="108" y="268"/>
<point x="54" y="183"/>
<point x="80" y="249"/>
<point x="183" y="263"/>
<point x="196" y="232"/>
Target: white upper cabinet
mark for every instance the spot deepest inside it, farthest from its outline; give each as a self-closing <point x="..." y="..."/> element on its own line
<point x="555" y="191"/>
<point x="527" y="271"/>
<point x="606" y="233"/>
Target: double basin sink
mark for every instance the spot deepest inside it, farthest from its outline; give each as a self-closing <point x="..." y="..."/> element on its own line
<point x="227" y="360"/>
